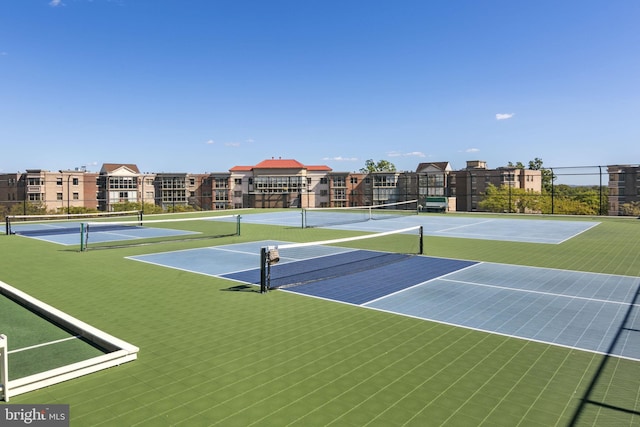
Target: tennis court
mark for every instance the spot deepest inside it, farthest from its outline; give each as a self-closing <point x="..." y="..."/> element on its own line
<point x="476" y="227"/>
<point x="95" y="234"/>
<point x="70" y="234"/>
<point x="567" y="308"/>
<point x="216" y="351"/>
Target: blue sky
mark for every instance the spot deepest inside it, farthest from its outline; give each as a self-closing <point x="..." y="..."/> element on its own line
<point x="205" y="85"/>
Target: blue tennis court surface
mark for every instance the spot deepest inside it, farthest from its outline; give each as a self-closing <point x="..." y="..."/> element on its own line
<point x="480" y="227"/>
<point x="568" y="308"/>
<point x="476" y="227"/>
<point x="68" y="233"/>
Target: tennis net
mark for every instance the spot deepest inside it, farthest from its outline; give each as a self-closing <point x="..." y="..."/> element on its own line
<point x="322" y="217"/>
<point x="50" y="224"/>
<point x="112" y="234"/>
<point x="296" y="264"/>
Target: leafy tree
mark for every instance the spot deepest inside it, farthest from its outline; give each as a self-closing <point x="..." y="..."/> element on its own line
<point x="28" y="208"/>
<point x="381" y="166"/>
<point x="518" y="165"/>
<point x="148" y="208"/>
<point x="180" y="208"/>
<point x="547" y="174"/>
<point x="631" y="209"/>
<point x="510" y="199"/>
<point x="76" y="210"/>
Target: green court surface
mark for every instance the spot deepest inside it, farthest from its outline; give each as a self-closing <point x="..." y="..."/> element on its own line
<point x="214" y="353"/>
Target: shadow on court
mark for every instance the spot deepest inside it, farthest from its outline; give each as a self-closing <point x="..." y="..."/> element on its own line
<point x="611" y="395"/>
<point x="242" y="288"/>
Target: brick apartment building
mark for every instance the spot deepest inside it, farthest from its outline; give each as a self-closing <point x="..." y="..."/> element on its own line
<point x="624" y="186"/>
<point x="280" y="182"/>
<point x="472" y="182"/>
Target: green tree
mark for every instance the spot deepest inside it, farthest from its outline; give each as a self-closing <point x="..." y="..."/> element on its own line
<point x="147" y="208"/>
<point x="510" y="199"/>
<point x="76" y="210"/>
<point x="630" y="209"/>
<point x="381" y="166"/>
<point x="547" y="174"/>
<point x="28" y="208"/>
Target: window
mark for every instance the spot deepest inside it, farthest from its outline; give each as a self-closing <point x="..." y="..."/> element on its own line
<point x="75" y="181"/>
<point x="354" y="180"/>
<point x="238" y="181"/>
<point x="192" y="181"/>
<point x="279" y="184"/>
<point x="384" y="181"/>
<point x="58" y="196"/>
<point x="34" y="197"/>
<point x="34" y="181"/>
<point x="237" y="194"/>
<point x="58" y="181"/>
<point x="76" y="196"/>
<point x="324" y="180"/>
<point x="339" y="181"/>
<point x="119" y="182"/>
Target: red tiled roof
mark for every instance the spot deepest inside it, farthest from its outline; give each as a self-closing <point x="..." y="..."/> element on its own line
<point x="319" y="168"/>
<point x="280" y="164"/>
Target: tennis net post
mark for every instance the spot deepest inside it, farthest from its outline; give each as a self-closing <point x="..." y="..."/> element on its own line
<point x="269" y="256"/>
<point x="4" y="368"/>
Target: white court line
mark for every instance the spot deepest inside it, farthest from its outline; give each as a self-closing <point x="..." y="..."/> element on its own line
<point x="366" y="304"/>
<point x="463" y="226"/>
<point x="520" y="337"/>
<point x="579" y="233"/>
<point x="536" y="292"/>
<point x="43" y="344"/>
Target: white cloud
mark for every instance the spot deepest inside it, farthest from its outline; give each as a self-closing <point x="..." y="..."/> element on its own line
<point x="210" y="142"/>
<point x="471" y="150"/>
<point x="56" y="3"/>
<point x="341" y="159"/>
<point x="409" y="154"/>
<point x="504" y="116"/>
<point x="232" y="144"/>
